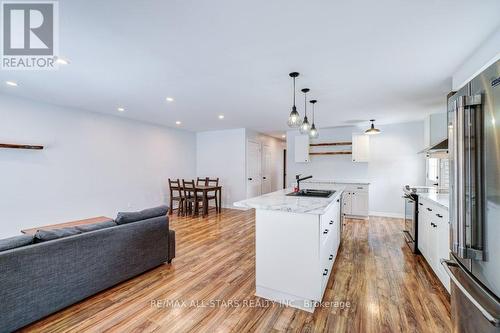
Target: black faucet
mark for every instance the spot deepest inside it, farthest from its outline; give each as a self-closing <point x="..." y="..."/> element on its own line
<point x="297" y="177"/>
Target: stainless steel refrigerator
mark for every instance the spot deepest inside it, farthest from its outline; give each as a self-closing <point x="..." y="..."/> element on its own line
<point x="474" y="147"/>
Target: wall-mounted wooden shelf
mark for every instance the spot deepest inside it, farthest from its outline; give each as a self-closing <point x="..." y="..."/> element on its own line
<point x="330" y="144"/>
<point x="324" y="144"/>
<point x="332" y="153"/>
<point x="16" y="146"/>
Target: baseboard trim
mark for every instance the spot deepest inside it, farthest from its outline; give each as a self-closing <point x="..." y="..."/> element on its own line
<point x="385" y="214"/>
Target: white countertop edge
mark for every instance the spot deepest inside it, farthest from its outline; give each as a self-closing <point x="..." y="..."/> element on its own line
<point x="280" y="202"/>
<point x="440" y="199"/>
<point x="341" y="181"/>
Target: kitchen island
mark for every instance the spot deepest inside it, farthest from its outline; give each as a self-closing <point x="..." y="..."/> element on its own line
<point x="296" y="240"/>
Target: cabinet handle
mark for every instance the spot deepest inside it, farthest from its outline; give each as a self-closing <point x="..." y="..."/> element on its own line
<point x="325" y="232"/>
<point x="430" y="210"/>
<point x="325" y="273"/>
<point x="338" y="200"/>
<point x="421" y="204"/>
<point x="360" y="188"/>
<point x="331" y="257"/>
<point x="434" y="225"/>
<point x="331" y="222"/>
<point x="439" y="215"/>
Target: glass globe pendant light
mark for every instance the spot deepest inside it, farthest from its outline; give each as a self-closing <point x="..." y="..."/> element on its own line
<point x="305" y="127"/>
<point x="313" y="133"/>
<point x="294" y="120"/>
<point x="372" y="130"/>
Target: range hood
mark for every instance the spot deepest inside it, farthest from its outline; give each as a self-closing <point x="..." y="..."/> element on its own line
<point x="438" y="148"/>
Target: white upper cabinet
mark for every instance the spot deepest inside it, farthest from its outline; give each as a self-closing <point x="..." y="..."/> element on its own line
<point x="360" y="148"/>
<point x="302" y="149"/>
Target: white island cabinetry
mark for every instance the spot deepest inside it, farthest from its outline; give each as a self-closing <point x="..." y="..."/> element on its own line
<point x="434" y="236"/>
<point x="296" y="246"/>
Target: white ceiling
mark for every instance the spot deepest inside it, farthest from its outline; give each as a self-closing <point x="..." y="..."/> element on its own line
<point x="388" y="59"/>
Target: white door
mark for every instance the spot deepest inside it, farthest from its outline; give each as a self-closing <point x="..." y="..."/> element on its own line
<point x="360" y="148"/>
<point x="302" y="148"/>
<point x="267" y="166"/>
<point x="254" y="182"/>
<point x="347" y="202"/>
<point x="359" y="203"/>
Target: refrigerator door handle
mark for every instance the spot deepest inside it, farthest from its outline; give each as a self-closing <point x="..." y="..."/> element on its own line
<point x="494" y="320"/>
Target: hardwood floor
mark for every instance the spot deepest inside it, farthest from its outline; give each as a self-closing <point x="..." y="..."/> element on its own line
<point x="387" y="288"/>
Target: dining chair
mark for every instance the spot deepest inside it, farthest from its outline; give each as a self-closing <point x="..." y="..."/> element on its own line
<point x="176" y="195"/>
<point x="201" y="181"/>
<point x="191" y="197"/>
<point x="210" y="196"/>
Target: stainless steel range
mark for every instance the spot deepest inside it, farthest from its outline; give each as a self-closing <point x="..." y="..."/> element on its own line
<point x="410" y="230"/>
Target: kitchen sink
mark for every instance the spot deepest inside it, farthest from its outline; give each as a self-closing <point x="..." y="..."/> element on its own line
<point x="312" y="193"/>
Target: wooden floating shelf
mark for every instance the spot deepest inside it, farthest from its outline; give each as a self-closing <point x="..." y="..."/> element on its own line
<point x="332" y="153"/>
<point x="330" y="144"/>
<point x="16" y="146"/>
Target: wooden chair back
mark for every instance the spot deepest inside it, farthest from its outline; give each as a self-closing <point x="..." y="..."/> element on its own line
<point x="175" y="188"/>
<point x="201" y="181"/>
<point x="212" y="182"/>
<point x="188" y="188"/>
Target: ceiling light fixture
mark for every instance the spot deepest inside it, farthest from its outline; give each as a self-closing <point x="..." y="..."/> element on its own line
<point x="305" y="127"/>
<point x="313" y="133"/>
<point x="178" y="123"/>
<point x="62" y="61"/>
<point x="294" y="120"/>
<point x="120" y="109"/>
<point x="221" y="116"/>
<point x="283" y="136"/>
<point x="11" y="83"/>
<point x="169" y="99"/>
<point x="372" y="130"/>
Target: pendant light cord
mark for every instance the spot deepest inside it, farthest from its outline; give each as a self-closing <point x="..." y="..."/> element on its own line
<point x="313" y="113"/>
<point x="305" y="103"/>
<point x="293" y="91"/>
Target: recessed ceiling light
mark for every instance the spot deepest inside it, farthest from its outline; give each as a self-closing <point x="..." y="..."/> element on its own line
<point x="178" y="122"/>
<point x="11" y="83"/>
<point x="221" y="116"/>
<point x="170" y="99"/>
<point x="120" y="109"/>
<point x="62" y="61"/>
<point x="283" y="136"/>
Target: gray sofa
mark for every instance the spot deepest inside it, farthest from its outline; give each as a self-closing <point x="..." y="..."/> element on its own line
<point x="46" y="275"/>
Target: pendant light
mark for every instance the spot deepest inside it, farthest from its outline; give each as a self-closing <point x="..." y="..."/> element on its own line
<point x="372" y="130"/>
<point x="305" y="127"/>
<point x="313" y="133"/>
<point x="294" y="120"/>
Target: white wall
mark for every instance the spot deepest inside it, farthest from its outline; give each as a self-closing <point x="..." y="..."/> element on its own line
<point x="277" y="147"/>
<point x="222" y="154"/>
<point x="92" y="165"/>
<point x="479" y="60"/>
<point x="394" y="162"/>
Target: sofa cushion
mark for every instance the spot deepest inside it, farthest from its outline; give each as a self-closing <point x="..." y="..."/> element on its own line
<point x="15" y="242"/>
<point x="96" y="226"/>
<point x="129" y="217"/>
<point x="47" y="235"/>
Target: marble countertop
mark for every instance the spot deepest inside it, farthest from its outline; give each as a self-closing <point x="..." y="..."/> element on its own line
<point x="441" y="199"/>
<point x="280" y="202"/>
<point x="337" y="181"/>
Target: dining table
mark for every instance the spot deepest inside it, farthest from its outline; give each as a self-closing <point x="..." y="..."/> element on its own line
<point x="204" y="190"/>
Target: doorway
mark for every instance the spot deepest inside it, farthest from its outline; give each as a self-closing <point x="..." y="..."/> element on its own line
<point x="253" y="165"/>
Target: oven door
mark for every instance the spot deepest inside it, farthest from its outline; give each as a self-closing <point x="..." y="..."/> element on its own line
<point x="410" y="230"/>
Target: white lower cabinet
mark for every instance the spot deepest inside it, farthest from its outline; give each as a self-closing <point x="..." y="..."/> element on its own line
<point x="295" y="254"/>
<point x="355" y="201"/>
<point x="434" y="237"/>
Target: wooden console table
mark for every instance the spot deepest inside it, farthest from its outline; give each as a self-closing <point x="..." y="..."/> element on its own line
<point x="93" y="220"/>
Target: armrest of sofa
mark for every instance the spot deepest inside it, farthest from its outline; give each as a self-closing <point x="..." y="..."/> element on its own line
<point x="171" y="245"/>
